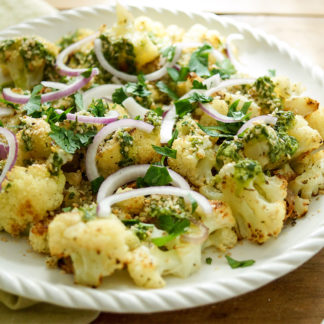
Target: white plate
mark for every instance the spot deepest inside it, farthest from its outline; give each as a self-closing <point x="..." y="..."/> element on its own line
<point x="24" y="273"/>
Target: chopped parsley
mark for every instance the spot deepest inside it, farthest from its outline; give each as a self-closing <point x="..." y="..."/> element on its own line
<point x="70" y="141"/>
<point x="169" y="52"/>
<point x="67" y="209"/>
<point x="9" y="104"/>
<point x="119" y="96"/>
<point x="165" y="151"/>
<point x="33" y="106"/>
<point x="225" y="69"/>
<point x="199" y="60"/>
<point x="98" y="108"/>
<point x="87" y="73"/>
<point x="155" y="176"/>
<point x="241" y="116"/>
<point x="234" y="264"/>
<point x="89" y="213"/>
<point x="213" y="131"/>
<point x="165" y="89"/>
<point x="126" y="141"/>
<point x="198" y="85"/>
<point x="96" y="183"/>
<point x="178" y="76"/>
<point x="209" y="260"/>
<point x="78" y="99"/>
<point x="173" y="226"/>
<point x="174" y="136"/>
<point x="188" y="104"/>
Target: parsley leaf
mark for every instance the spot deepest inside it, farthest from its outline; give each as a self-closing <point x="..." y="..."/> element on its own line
<point x="119" y="96"/>
<point x="185" y="106"/>
<point x="174" y="136"/>
<point x="198" y="85"/>
<point x="234" y="264"/>
<point x="67" y="209"/>
<point x="199" y="60"/>
<point x="68" y="140"/>
<point x="9" y="104"/>
<point x="155" y="176"/>
<point x="213" y="131"/>
<point x="137" y="89"/>
<point x="130" y="222"/>
<point x="87" y="73"/>
<point x="165" y="89"/>
<point x="225" y="69"/>
<point x="96" y="183"/>
<point x="194" y="204"/>
<point x="178" y="76"/>
<point x="159" y="111"/>
<point x="241" y="116"/>
<point x="169" y="53"/>
<point x="172" y="226"/>
<point x="97" y="108"/>
<point x="165" y="151"/>
<point x="78" y="99"/>
<point x="53" y="117"/>
<point x="33" y="106"/>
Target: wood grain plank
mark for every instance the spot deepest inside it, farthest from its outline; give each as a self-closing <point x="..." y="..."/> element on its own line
<point x="273" y="7"/>
<point x="297" y="298"/>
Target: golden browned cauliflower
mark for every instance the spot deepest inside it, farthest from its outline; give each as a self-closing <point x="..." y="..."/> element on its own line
<point x="97" y="246"/>
<point x="257" y="201"/>
<point x="127" y="147"/>
<point x="27" y="195"/>
<point x="196" y="154"/>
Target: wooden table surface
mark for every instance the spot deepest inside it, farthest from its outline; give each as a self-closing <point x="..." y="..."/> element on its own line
<point x="299" y="296"/>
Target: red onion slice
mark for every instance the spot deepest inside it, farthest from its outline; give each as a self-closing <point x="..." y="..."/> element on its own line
<point x="112" y="116"/>
<point x="129" y="77"/>
<point x="196" y="239"/>
<point x="230" y="83"/>
<point x="167" y="125"/>
<point x="267" y="119"/>
<point x="133" y="108"/>
<point x="4" y="150"/>
<point x="216" y="115"/>
<point x="12" y="154"/>
<point x="102" y="91"/>
<point x="54" y="85"/>
<point x="131" y="173"/>
<point x="9" y="95"/>
<point x="6" y="111"/>
<point x="104" y="207"/>
<point x="65" y="70"/>
<point x="91" y="165"/>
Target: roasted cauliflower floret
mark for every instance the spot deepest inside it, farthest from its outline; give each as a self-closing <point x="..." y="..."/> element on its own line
<point x="308" y="139"/>
<point x="34" y="142"/>
<point x="38" y="236"/>
<point x="148" y="264"/>
<point x="195" y="153"/>
<point x="27" y="60"/>
<point x="301" y="105"/>
<point x="316" y="120"/>
<point x="127" y="147"/>
<point x="311" y="178"/>
<point x="21" y="194"/>
<point x="268" y="147"/>
<point x="256" y="200"/>
<point x="97" y="247"/>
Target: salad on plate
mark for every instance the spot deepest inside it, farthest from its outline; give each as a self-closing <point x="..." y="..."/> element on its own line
<point x="140" y="146"/>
